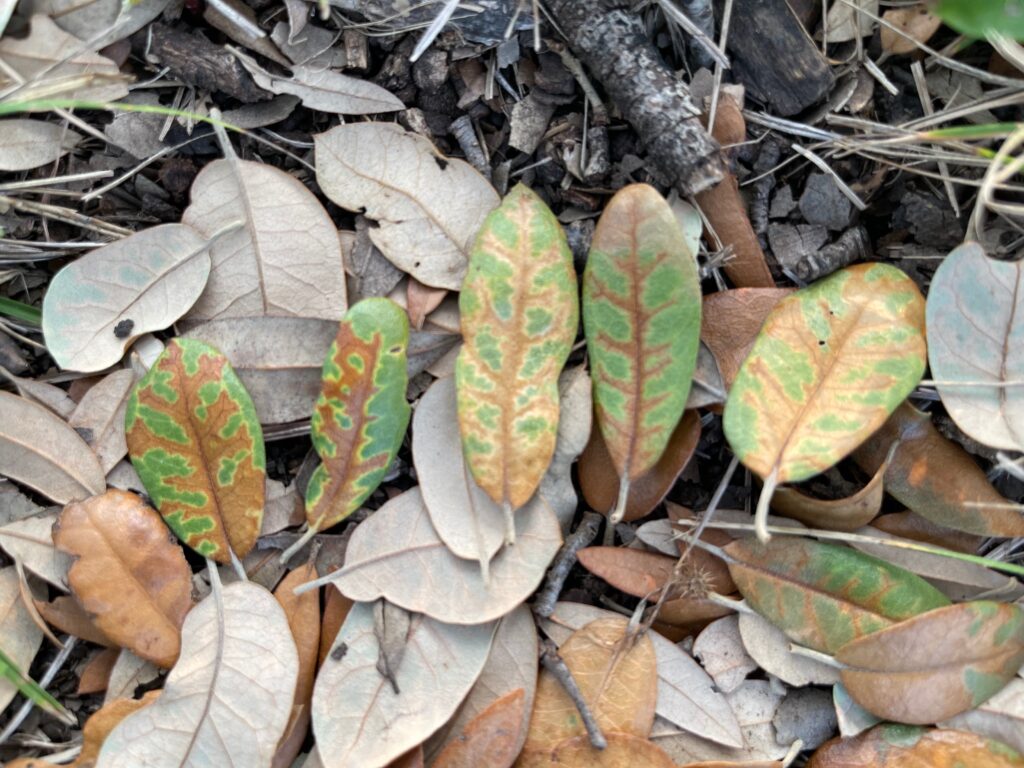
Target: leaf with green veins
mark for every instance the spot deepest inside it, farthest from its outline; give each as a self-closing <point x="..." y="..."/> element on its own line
<point x="519" y="314"/>
<point x="361" y="416"/>
<point x="832" y="361"/>
<point x="936" y="665"/>
<point x="32" y="691"/>
<point x="641" y="313"/>
<point x="824" y="595"/>
<point x="196" y="442"/>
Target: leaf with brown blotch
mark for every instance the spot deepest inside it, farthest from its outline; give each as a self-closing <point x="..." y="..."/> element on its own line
<point x="730" y="322"/>
<point x="67" y="615"/>
<point x="39" y="449"/>
<point x="904" y="746"/>
<point x="623" y="751"/>
<point x="20" y="638"/>
<point x="847" y="514"/>
<point x="617" y="677"/>
<point x="129" y="576"/>
<point x="519" y="315"/>
<point x="99" y="417"/>
<point x="937" y="478"/>
<point x="936" y="665"/>
<point x="303" y="614"/>
<point x="643" y="574"/>
<point x="491" y="738"/>
<point x="641" y="314"/>
<point x="600" y="483"/>
<point x="103" y="721"/>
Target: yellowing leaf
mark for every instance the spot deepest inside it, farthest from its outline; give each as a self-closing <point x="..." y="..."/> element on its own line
<point x="641" y="312"/>
<point x="519" y="317"/>
<point x="832" y="361"/>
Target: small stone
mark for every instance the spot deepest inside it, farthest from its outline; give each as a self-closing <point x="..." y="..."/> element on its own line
<point x="824" y="203"/>
<point x="806" y="714"/>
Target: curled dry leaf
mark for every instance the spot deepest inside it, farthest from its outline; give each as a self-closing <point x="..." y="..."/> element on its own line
<point x="641" y="314"/>
<point x="847" y="514"/>
<point x="401" y="181"/>
<point x="20" y="638"/>
<point x="68" y="615"/>
<point x="902" y="746"/>
<point x="360" y="719"/>
<point x="823" y="595"/>
<point x="39" y="449"/>
<point x="730" y="322"/>
<point x="128" y="576"/>
<point x="30" y="541"/>
<point x="99" y="417"/>
<point x="937" y="478"/>
<point x="975" y="328"/>
<point x="197" y="445"/>
<point x="936" y="665"/>
<point x="326" y="90"/>
<point x="465" y="518"/>
<point x="519" y="314"/>
<point x="851" y="344"/>
<point x="361" y="415"/>
<point x="686" y="697"/>
<point x="100" y="303"/>
<point x="255" y="270"/>
<point x="28" y="144"/>
<point x="491" y="738"/>
<point x="617" y="677"/>
<point x="278" y="359"/>
<point x="623" y="751"/>
<point x="396" y="554"/>
<point x="600" y="482"/>
<point x="227" y="700"/>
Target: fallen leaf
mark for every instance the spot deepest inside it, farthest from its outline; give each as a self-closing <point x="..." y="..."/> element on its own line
<point x="128" y="674"/>
<point x="730" y="322"/>
<point x="642" y="574"/>
<point x="519" y="315"/>
<point x="824" y="595"/>
<point x="128" y="576"/>
<point x="973" y="333"/>
<point x="720" y="650"/>
<point x="830" y="364"/>
<point x="99" y="417"/>
<point x="195" y="440"/>
<point x="284" y="260"/>
<point x="101" y="22"/>
<point x="227" y="700"/>
<point x="623" y="751"/>
<point x="326" y="90"/>
<point x="845" y="21"/>
<point x="464" y="517"/>
<point x="100" y="303"/>
<point x="28" y="144"/>
<point x="40" y="450"/>
<point x="575" y="407"/>
<point x="396" y="554"/>
<point x="641" y="314"/>
<point x="303" y="614"/>
<point x="278" y="359"/>
<point x="68" y="615"/>
<point x="686" y="697"/>
<point x="917" y="23"/>
<point x="20" y="638"/>
<point x="49" y="395"/>
<point x="771" y="649"/>
<point x="30" y="541"/>
<point x="491" y="738"/>
<point x="902" y="746"/>
<point x="359" y="719"/>
<point x="336" y="610"/>
<point x="599" y="479"/>
<point x="852" y="718"/>
<point x="421" y="300"/>
<point x="361" y="415"/>
<point x="937" y="478"/>
<point x="847" y="514"/>
<point x="96" y="672"/>
<point x="1000" y="717"/>
<point x="934" y="666"/>
<point x="405" y="185"/>
<point x="910" y="525"/>
<point x="103" y="721"/>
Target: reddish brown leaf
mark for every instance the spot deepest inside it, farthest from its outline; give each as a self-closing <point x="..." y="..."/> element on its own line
<point x="937" y="478"/>
<point x="910" y="525"/>
<point x="731" y="321"/>
<point x="900" y="746"/>
<point x="68" y="616"/>
<point x="692" y="613"/>
<point x="421" y="300"/>
<point x="411" y="759"/>
<point x="96" y="673"/>
<point x="491" y="738"/>
<point x="641" y="573"/>
<point x="600" y="481"/>
<point x="130" y="576"/>
<point x="846" y="514"/>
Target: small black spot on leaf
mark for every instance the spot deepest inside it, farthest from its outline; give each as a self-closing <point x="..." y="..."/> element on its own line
<point x="124" y="328"/>
<point x="441" y="162"/>
<point x="339" y="653"/>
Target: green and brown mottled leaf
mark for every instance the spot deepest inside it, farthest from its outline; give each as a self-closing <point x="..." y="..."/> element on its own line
<point x="196" y="442"/>
<point x="832" y="361"/>
<point x="361" y="415"/>
<point x="641" y="313"/>
<point x="824" y="595"/>
<point x="905" y="746"/>
<point x="934" y="666"/>
<point x="519" y="313"/>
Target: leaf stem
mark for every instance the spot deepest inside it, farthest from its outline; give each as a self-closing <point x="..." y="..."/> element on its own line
<point x="619" y="510"/>
<point x="308" y="534"/>
<point x="761" y="514"/>
<point x="554" y="664"/>
<point x="818" y="656"/>
<point x="510" y="521"/>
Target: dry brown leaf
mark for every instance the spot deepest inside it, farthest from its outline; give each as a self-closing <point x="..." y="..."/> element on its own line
<point x="617" y="676"/>
<point x="623" y="751"/>
<point x="128" y="674"/>
<point x="642" y="574"/>
<point x="99" y="417"/>
<point x="429" y="207"/>
<point x="96" y="673"/>
<point x="1000" y="718"/>
<point x="103" y="721"/>
<point x="336" y="608"/>
<point x="897" y="746"/>
<point x="731" y="320"/>
<point x="67" y="615"/>
<point x="303" y="614"/>
<point x="909" y="525"/>
<point x="421" y="300"/>
<point x="129" y="576"/>
<point x="411" y="759"/>
<point x="27" y="144"/>
<point x="284" y="261"/>
<point x="846" y="514"/>
<point x="915" y="21"/>
<point x="491" y="738"/>
<point x="20" y="638"/>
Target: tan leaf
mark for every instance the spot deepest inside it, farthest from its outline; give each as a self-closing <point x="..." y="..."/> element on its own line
<point x="96" y="673"/>
<point x="847" y="514"/>
<point x="916" y="22"/>
<point x="99" y="417"/>
<point x="27" y="144"/>
<point x="129" y="576"/>
<point x="491" y="738"/>
<point x="20" y="638"/>
<point x="730" y="322"/>
<point x="30" y="541"/>
<point x="623" y="751"/>
<point x="770" y="648"/>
